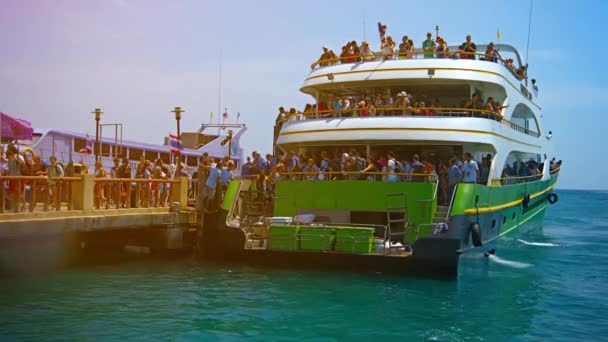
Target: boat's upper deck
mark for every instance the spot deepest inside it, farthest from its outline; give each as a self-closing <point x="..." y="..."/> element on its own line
<point x="419" y="67"/>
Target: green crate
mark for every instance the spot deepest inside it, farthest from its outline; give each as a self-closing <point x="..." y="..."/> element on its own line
<point x="283" y="237"/>
<point x="354" y="239"/>
<point x="316" y="238"/>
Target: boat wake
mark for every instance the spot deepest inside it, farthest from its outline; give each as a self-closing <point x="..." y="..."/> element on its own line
<point x="514" y="264"/>
<point x="540" y="244"/>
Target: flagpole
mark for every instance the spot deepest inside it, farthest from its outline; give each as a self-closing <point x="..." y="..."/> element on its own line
<point x="219" y="87"/>
<point x="529" y="29"/>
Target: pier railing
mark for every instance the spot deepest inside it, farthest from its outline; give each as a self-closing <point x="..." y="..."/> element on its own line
<point x="30" y="193"/>
<point x="40" y="193"/>
<point x="133" y="192"/>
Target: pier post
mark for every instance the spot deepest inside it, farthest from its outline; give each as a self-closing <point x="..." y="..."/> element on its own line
<point x="82" y="193"/>
<point x="180" y="192"/>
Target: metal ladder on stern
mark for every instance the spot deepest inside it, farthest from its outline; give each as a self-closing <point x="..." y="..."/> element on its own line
<point x="396" y="217"/>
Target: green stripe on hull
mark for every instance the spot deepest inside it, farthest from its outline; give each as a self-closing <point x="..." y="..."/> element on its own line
<point x="527" y="218"/>
<point x="490" y="197"/>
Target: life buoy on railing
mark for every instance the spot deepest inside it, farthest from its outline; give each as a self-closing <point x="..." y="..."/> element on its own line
<point x="552" y="198"/>
<point x="476" y="234"/>
<point x="526" y="200"/>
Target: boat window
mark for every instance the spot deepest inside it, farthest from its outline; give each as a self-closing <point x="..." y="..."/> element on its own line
<point x="151" y="155"/>
<point x="192" y="161"/>
<point x="79" y="144"/>
<point x="166" y="158"/>
<point x="521" y="167"/>
<point x="135" y="154"/>
<point x="105" y="149"/>
<point x="119" y="151"/>
<point x="524" y="119"/>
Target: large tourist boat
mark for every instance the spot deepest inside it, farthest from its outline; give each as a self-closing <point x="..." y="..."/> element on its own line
<point x="419" y="125"/>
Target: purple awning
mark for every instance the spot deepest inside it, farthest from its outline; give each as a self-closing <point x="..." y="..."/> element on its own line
<point x="15" y="129"/>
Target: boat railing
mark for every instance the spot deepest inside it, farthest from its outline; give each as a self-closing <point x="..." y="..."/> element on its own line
<point x="452" y="197"/>
<point x="555" y="170"/>
<point x="512" y="180"/>
<point x="355" y="175"/>
<point x="381" y="56"/>
<point x="412" y="111"/>
<point x="36" y="193"/>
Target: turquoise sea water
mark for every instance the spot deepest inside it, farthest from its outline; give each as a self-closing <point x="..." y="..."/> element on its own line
<point x="555" y="291"/>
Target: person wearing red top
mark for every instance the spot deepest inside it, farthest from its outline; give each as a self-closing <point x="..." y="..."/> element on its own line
<point x="362" y="109"/>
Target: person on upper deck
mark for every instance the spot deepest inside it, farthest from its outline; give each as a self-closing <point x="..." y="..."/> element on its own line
<point x="428" y="46"/>
<point x="490" y="107"/>
<point x="402" y="104"/>
<point x="366" y="53"/>
<point x="403" y="48"/>
<point x="492" y="54"/>
<point x="323" y="60"/>
<point x="410" y="49"/>
<point x="356" y="50"/>
<point x="522" y="72"/>
<point x="468" y="49"/>
<point x="388" y="48"/>
<point x="442" y="48"/>
<point x="474" y="103"/>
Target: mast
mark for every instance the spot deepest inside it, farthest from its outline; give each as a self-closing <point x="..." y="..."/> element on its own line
<point x="529" y="29"/>
<point x="219" y="87"/>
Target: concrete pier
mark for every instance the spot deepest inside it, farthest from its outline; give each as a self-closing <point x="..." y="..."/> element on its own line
<point x="31" y="240"/>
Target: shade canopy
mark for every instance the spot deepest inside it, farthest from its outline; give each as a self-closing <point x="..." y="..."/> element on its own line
<point x="15" y="129"/>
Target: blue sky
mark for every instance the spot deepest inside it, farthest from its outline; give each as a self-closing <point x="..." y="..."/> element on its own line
<point x="137" y="59"/>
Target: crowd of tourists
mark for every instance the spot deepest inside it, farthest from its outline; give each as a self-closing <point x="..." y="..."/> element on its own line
<point x="352" y="52"/>
<point x="402" y="104"/>
<point x="353" y="164"/>
<point x="211" y="178"/>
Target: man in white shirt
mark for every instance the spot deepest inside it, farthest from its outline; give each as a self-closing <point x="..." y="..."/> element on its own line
<point x="471" y="170"/>
<point x="366" y="53"/>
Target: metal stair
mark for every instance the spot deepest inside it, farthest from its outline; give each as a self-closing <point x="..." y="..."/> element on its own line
<point x="441" y="214"/>
<point x="396" y="219"/>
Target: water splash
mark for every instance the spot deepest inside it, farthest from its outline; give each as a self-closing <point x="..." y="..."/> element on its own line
<point x="540" y="244"/>
<point x="514" y="264"/>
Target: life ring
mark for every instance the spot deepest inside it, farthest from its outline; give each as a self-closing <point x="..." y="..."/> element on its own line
<point x="476" y="234"/>
<point x="526" y="200"/>
<point x="552" y="198"/>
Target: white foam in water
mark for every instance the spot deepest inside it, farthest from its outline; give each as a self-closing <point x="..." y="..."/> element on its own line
<point x="540" y="244"/>
<point x="514" y="264"/>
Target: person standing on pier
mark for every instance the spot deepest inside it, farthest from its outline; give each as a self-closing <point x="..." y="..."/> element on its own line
<point x="54" y="171"/>
<point x="98" y="188"/>
<point x="124" y="172"/>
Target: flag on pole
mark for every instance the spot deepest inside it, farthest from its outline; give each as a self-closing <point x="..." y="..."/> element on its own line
<point x="211" y="117"/>
<point x="382" y="31"/>
<point x="498" y="34"/>
<point x="238" y="115"/>
<point x="88" y="146"/>
<point x="175" y="144"/>
<point x="225" y="115"/>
